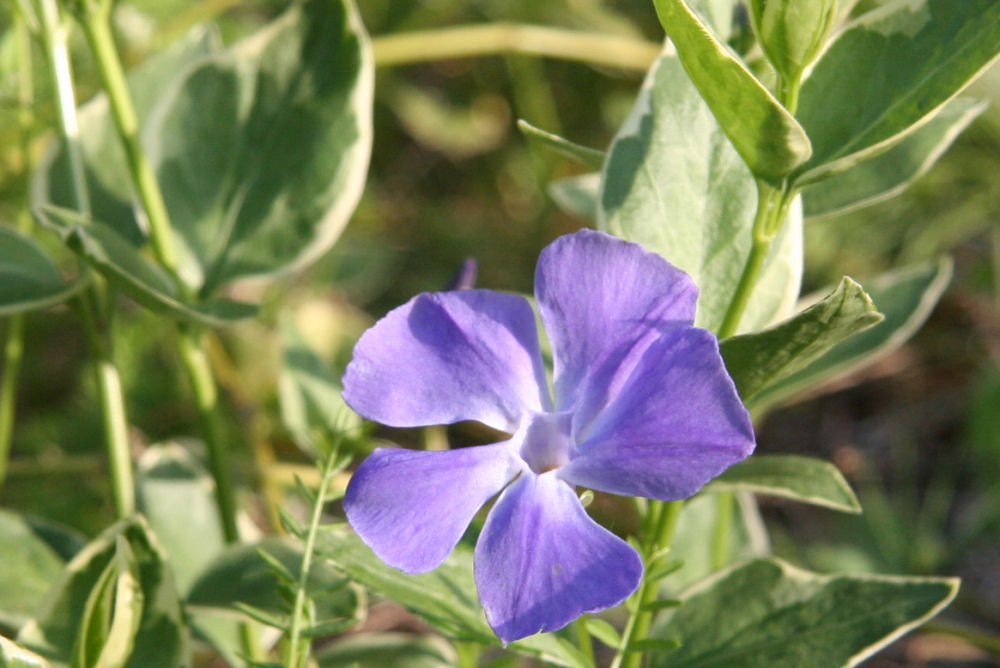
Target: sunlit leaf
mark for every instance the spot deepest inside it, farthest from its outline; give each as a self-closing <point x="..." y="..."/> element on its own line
<point x="804" y="479"/>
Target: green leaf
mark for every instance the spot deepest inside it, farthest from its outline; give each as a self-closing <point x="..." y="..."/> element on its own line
<point x="109" y="185"/>
<point x="445" y="596"/>
<point x="804" y="479"/>
<point x="33" y="555"/>
<point x="767" y="613"/>
<point x="388" y="650"/>
<point x="692" y="543"/>
<point x="888" y="72"/>
<point x="13" y="655"/>
<point x="603" y="631"/>
<point x="312" y="408"/>
<point x="890" y="173"/>
<point x="111" y="615"/>
<point x="174" y="492"/>
<point x="262" y="149"/>
<point x="162" y="638"/>
<point x="29" y="280"/>
<point x="756" y="361"/>
<point x="673" y="183"/>
<point x="588" y="157"/>
<point x="577" y="195"/>
<point x="905" y="297"/>
<point x="765" y="134"/>
<point x="139" y="277"/>
<point x="241" y="575"/>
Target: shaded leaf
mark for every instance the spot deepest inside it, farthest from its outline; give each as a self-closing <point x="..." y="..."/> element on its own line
<point x="673" y="183"/>
<point x="138" y="276"/>
<point x="890" y="173"/>
<point x="445" y="596"/>
<point x="175" y="493"/>
<point x="756" y="361"/>
<point x="905" y="297"/>
<point x="804" y="479"/>
<point x="240" y="574"/>
<point x="767" y="613"/>
<point x="388" y="650"/>
<point x="33" y="556"/>
<point x="162" y="638"/>
<point x="577" y="195"/>
<point x="767" y="137"/>
<point x="29" y="280"/>
<point x="888" y="72"/>
<point x="312" y="408"/>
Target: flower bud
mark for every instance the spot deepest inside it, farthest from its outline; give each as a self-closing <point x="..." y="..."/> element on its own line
<point x="792" y="32"/>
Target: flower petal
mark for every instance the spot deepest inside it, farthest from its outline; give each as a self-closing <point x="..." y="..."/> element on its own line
<point x="412" y="506"/>
<point x="596" y="291"/>
<point x="541" y="562"/>
<point x="676" y="423"/>
<point x="449" y="356"/>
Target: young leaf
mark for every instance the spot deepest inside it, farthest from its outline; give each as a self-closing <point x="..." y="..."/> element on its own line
<point x="29" y="280"/>
<point x="765" y="134"/>
<point x="603" y="631"/>
<point x="767" y="613"/>
<point x="887" y="73"/>
<point x="174" y="492"/>
<point x="110" y="620"/>
<point x="804" y="479"/>
<point x="758" y="360"/>
<point x="673" y="183"/>
<point x="162" y="637"/>
<point x="905" y="297"/>
<point x="892" y="172"/>
<point x="589" y="157"/>
<point x="13" y="655"/>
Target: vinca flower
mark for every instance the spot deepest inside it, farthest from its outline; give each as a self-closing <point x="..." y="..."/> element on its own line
<point x="640" y="405"/>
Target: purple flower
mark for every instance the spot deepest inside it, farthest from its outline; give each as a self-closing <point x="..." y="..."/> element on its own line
<point x="641" y="405"/>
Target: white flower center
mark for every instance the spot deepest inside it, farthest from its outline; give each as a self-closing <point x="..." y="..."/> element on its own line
<point x="545" y="441"/>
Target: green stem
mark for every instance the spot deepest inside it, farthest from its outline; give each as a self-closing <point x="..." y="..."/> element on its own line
<point x="583" y="640"/>
<point x="297" y="648"/>
<point x="13" y="351"/>
<point x="723" y="523"/>
<point x="199" y="371"/>
<point x="97" y="29"/>
<point x="14" y="344"/>
<point x="54" y="32"/>
<point x="498" y="38"/>
<point x="663" y="516"/>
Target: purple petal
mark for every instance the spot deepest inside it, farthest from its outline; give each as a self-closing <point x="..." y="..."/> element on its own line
<point x="541" y="562"/>
<point x="596" y="291"/>
<point x="449" y="356"/>
<point x="411" y="507"/>
<point x="675" y="424"/>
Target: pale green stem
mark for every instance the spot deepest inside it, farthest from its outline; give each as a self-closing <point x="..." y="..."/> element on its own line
<point x="97" y="28"/>
<point x="54" y="36"/>
<point x="662" y="518"/>
<point x="14" y="344"/>
<point x="192" y="350"/>
<point x="583" y="640"/>
<point x="499" y="38"/>
<point x="723" y="524"/>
